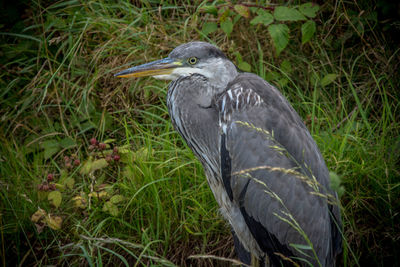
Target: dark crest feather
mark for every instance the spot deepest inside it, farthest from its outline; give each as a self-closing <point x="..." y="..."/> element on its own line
<point x="200" y="50"/>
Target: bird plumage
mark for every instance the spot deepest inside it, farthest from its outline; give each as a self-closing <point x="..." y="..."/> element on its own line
<point x="279" y="179"/>
<point x="262" y="165"/>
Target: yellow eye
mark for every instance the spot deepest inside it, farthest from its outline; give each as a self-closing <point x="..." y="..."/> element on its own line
<point x="192" y="60"/>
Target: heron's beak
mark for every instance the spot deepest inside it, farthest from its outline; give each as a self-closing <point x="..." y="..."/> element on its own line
<point x="159" y="67"/>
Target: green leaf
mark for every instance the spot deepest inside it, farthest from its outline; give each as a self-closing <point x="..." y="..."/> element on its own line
<point x="55" y="198"/>
<point x="335" y="180"/>
<point x="227" y="26"/>
<point x="98" y="164"/>
<point x="67" y="142"/>
<point x="128" y="172"/>
<point x="209" y="27"/>
<point x="272" y="76"/>
<point x="117" y="199"/>
<point x="50" y="147"/>
<point x="101" y="194"/>
<point x="210" y="9"/>
<point x="280" y="36"/>
<point x="283" y="82"/>
<point x="38" y="215"/>
<point x="49" y="152"/>
<point x="69" y="182"/>
<point x="86" y="126"/>
<point x="286" y="66"/>
<point x="307" y="31"/>
<point x="79" y="202"/>
<point x="63" y="174"/>
<point x="223" y="13"/>
<point x="283" y="13"/>
<point x="143" y="153"/>
<point x="242" y="10"/>
<point x="244" y="66"/>
<point x="102" y="120"/>
<point x="110" y="208"/>
<point x="127" y="157"/>
<point x="328" y="79"/>
<point x="336" y="183"/>
<point x="309" y="9"/>
<point x="264" y="17"/>
<point x="54" y="222"/>
<point x="87" y="166"/>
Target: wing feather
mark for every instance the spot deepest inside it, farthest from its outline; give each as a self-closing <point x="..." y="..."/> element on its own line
<point x="273" y="170"/>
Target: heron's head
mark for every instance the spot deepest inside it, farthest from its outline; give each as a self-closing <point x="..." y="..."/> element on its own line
<point x="188" y="59"/>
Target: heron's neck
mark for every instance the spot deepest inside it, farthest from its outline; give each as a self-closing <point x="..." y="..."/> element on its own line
<point x="222" y="73"/>
<point x="192" y="115"/>
<point x="191" y="92"/>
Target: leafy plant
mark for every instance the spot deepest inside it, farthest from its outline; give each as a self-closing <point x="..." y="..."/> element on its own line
<point x="273" y="17"/>
<point x="99" y="158"/>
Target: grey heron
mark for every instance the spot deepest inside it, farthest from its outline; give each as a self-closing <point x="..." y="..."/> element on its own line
<point x="261" y="163"/>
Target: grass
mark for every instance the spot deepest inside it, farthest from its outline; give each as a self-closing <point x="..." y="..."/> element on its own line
<point x="58" y="92"/>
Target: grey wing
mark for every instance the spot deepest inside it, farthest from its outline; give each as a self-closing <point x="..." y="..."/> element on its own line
<point x="271" y="168"/>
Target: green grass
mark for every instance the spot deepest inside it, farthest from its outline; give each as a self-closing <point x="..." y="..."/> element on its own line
<point x="58" y="91"/>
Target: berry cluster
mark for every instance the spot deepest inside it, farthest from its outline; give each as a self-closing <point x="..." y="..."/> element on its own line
<point x="47" y="185"/>
<point x="99" y="150"/>
<point x="114" y="156"/>
<point x="94" y="144"/>
<point x="71" y="161"/>
<point x="97" y="146"/>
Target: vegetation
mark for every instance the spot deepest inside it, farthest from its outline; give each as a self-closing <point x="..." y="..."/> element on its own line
<point x="91" y="170"/>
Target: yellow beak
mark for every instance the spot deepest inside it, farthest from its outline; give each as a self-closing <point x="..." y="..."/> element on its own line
<point x="159" y="67"/>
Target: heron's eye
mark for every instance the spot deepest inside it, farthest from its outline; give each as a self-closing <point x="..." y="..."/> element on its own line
<point x="192" y="60"/>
